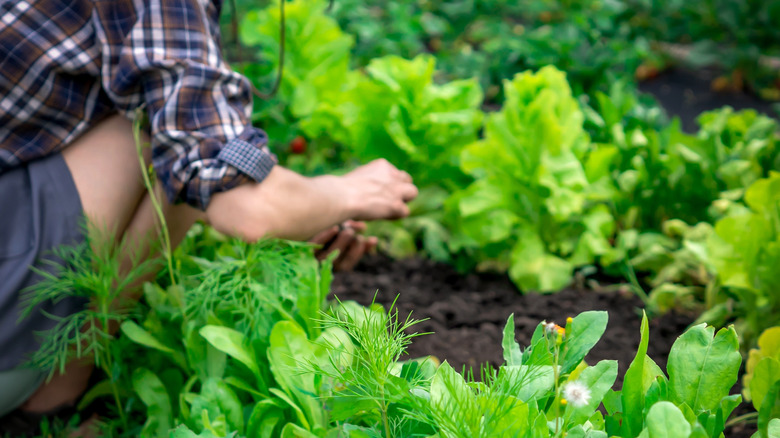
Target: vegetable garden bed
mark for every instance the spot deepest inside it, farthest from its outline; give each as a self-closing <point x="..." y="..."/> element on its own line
<point x="538" y="159"/>
<point x="466" y="315"/>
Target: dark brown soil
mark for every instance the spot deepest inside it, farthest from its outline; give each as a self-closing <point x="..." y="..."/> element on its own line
<point x="467" y="313"/>
<point x="686" y="93"/>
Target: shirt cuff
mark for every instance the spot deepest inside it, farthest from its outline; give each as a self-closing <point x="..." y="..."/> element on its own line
<point x="253" y="161"/>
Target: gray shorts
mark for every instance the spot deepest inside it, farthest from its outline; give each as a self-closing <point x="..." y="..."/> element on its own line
<point x="40" y="210"/>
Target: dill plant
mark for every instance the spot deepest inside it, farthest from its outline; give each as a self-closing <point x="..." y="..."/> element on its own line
<point x="93" y="271"/>
<point x="371" y="377"/>
<point x="102" y="271"/>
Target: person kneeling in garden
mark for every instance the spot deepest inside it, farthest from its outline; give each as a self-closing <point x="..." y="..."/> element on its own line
<point x="73" y="73"/>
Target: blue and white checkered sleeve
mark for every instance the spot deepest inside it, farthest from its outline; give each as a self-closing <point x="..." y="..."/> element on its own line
<point x="199" y="109"/>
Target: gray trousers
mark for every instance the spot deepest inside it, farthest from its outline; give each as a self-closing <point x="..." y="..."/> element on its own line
<point x="40" y="210"/>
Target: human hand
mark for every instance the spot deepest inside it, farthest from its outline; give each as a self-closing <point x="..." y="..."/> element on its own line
<point x="378" y="190"/>
<point x="290" y="206"/>
<point x="347" y="240"/>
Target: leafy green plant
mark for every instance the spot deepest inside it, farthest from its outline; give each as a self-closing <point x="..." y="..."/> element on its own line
<point x="93" y="272"/>
<point x="743" y="252"/>
<point x="397" y="112"/>
<point x="693" y="401"/>
<point x="762" y="374"/>
<point x="317" y="56"/>
<point x="534" y="207"/>
<point x="730" y="35"/>
<point x="663" y="173"/>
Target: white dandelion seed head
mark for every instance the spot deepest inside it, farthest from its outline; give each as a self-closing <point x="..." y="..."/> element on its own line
<point x="576" y="394"/>
<point x="549" y="327"/>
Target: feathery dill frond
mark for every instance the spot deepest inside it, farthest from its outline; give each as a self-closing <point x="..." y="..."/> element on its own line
<point x="93" y="270"/>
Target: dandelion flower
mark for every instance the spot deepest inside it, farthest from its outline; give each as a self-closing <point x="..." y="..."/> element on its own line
<point x="577" y="394"/>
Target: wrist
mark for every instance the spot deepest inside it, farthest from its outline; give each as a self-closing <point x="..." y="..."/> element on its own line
<point x="339" y="193"/>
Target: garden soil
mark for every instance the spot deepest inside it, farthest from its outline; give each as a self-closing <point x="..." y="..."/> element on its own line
<point x="686" y="93"/>
<point x="467" y="314"/>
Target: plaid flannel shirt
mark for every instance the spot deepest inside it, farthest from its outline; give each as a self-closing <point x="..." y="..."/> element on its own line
<point x="66" y="64"/>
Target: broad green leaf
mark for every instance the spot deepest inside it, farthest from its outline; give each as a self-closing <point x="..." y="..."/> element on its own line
<point x="527" y="382"/>
<point x="184" y="432"/>
<point x="658" y="391"/>
<point x="152" y="392"/>
<point x="598" y="379"/>
<point x="639" y="376"/>
<point x="509" y="417"/>
<point x="228" y="403"/>
<point x="512" y="353"/>
<point x="104" y="388"/>
<point x="773" y="428"/>
<point x="281" y="395"/>
<point x="769" y="409"/>
<point x="451" y="396"/>
<point x="579" y="432"/>
<point x="289" y="353"/>
<point x="215" y="407"/>
<point x="715" y="424"/>
<point x="765" y="374"/>
<point x="292" y="430"/>
<point x="769" y="342"/>
<point x="263" y="420"/>
<point x="664" y="420"/>
<point x="233" y="343"/>
<point x="702" y="368"/>
<point x="535" y="269"/>
<point x="493" y="226"/>
<point x="480" y="198"/>
<point x="140" y="336"/>
<point x="586" y="330"/>
<point x="768" y="346"/>
<point x="237" y="382"/>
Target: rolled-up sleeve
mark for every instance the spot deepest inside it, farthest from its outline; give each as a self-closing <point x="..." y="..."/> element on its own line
<point x="164" y="55"/>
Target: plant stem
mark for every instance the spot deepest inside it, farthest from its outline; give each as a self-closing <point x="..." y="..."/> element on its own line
<point x="635" y="286"/>
<point x="556" y="376"/>
<point x="741" y="419"/>
<point x="108" y="363"/>
<point x="384" y="419"/>
<point x="162" y="225"/>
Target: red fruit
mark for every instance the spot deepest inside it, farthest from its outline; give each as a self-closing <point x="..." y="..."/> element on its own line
<point x="298" y="145"/>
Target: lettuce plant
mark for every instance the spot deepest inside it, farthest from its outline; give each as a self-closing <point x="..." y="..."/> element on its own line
<point x="534" y="207"/>
<point x="761" y="383"/>
<point x="744" y="252"/>
<point x="317" y="58"/>
<point x="396" y="111"/>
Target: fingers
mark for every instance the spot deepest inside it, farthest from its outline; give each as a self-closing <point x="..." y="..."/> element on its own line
<point x="408" y="192"/>
<point x="399" y="210"/>
<point x="371" y="243"/>
<point x="352" y="255"/>
<point x="358" y="226"/>
<point x="343" y="239"/>
<point x="325" y="236"/>
<point x="379" y="190"/>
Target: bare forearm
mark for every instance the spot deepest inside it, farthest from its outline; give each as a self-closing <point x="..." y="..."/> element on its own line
<point x="285" y="205"/>
<point x="290" y="206"/>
